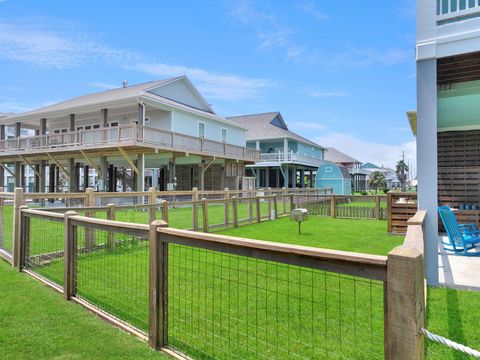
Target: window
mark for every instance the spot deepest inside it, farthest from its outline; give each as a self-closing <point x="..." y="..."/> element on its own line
<point x="114" y="124"/>
<point x="201" y="130"/>
<point x="328" y="169"/>
<point x="79" y="128"/>
<point x="224" y="135"/>
<point x="58" y="131"/>
<point x="64" y="130"/>
<point x="96" y="126"/>
<point x="147" y="119"/>
<point x="88" y="127"/>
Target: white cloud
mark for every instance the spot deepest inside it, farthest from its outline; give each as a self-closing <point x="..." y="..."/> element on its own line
<point x="311" y="9"/>
<point x="53" y="46"/>
<point x="212" y="85"/>
<point x="370" y="151"/>
<point x="316" y="93"/>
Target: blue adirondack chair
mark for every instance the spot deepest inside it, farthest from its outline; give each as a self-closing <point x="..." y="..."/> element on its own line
<point x="461" y="237"/>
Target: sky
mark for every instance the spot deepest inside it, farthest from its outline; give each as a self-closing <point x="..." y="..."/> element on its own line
<point x="342" y="73"/>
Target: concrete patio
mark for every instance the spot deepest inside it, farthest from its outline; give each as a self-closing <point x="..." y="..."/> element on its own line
<point x="458" y="272"/>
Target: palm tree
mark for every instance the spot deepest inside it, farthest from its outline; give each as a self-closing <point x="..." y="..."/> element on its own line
<point x="377" y="180"/>
<point x="402" y="174"/>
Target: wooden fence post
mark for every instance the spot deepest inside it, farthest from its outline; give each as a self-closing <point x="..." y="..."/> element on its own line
<point x="284" y="199"/>
<point x="195" y="209"/>
<point x="17" y="203"/>
<point x="69" y="258"/>
<point x="377" y="207"/>
<point x="275" y="206"/>
<point x="152" y="200"/>
<point x="292" y="202"/>
<point x="89" y="233"/>
<point x="259" y="213"/>
<point x="333" y="213"/>
<point x="250" y="209"/>
<point x="226" y="196"/>
<point x="111" y="235"/>
<point x="165" y="211"/>
<point x="205" y="214"/>
<point x="389" y="212"/>
<point x="24" y="239"/>
<point x="404" y="305"/>
<point x="269" y="199"/>
<point x="158" y="288"/>
<point x="235" y="211"/>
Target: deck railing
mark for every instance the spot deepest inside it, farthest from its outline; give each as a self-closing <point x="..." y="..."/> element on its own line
<point x="450" y="10"/>
<point x="289" y="157"/>
<point x="125" y="135"/>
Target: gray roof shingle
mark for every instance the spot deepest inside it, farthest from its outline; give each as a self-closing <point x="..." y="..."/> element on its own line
<point x="260" y="128"/>
<point x="337" y="156"/>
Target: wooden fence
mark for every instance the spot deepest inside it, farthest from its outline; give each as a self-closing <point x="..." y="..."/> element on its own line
<point x="170" y="251"/>
<point x="400" y="208"/>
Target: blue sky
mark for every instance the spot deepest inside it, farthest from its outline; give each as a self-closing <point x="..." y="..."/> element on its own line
<point x="341" y="73"/>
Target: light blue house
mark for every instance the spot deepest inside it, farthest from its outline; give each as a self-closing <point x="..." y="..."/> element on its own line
<point x="286" y="158"/>
<point x="331" y="175"/>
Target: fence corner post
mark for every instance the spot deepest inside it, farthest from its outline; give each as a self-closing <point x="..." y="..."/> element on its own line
<point x="23" y="239"/>
<point x="158" y="288"/>
<point x="194" y="209"/>
<point x="165" y="211"/>
<point x="377" y="207"/>
<point x="69" y="257"/>
<point x="90" y="197"/>
<point x="152" y="200"/>
<point x="205" y="214"/>
<point x="17" y="203"/>
<point x="404" y="305"/>
<point x="332" y="206"/>
<point x="226" y="196"/>
<point x="235" y="211"/>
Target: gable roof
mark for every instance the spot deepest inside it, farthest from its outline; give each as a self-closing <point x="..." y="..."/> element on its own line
<point x="337" y="156"/>
<point x="266" y="126"/>
<point x="128" y="93"/>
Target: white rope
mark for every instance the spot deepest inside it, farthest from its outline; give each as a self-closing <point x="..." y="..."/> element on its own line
<point x="451" y="344"/>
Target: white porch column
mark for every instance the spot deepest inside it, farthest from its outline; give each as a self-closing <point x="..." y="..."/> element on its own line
<point x="286" y="177"/>
<point x="285" y="147"/>
<point x="257" y="145"/>
<point x="427" y="161"/>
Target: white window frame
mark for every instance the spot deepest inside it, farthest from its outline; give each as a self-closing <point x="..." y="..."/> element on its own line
<point x="221" y="134"/>
<point x="60" y="131"/>
<point x="328" y="169"/>
<point x="147" y="119"/>
<point x="113" y="124"/>
<point x="204" y="129"/>
<point x="79" y="128"/>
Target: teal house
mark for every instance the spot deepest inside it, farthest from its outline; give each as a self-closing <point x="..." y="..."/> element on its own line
<point x="331" y="175"/>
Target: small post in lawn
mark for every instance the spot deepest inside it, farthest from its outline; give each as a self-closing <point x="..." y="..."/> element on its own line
<point x="70" y="249"/>
<point x="158" y="287"/>
<point x="194" y="209"/>
<point x="205" y="214"/>
<point x="17" y="203"/>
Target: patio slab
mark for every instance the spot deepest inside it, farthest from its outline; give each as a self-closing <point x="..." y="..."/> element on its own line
<point x="458" y="272"/>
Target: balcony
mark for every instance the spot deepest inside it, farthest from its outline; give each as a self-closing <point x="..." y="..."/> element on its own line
<point x="128" y="135"/>
<point x="278" y="158"/>
<point x="456" y="10"/>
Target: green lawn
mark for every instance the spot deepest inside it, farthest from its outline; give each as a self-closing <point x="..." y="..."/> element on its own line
<point x="36" y="323"/>
<point x="367" y="236"/>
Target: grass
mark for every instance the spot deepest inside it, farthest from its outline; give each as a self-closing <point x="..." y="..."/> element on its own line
<point x="36" y="323"/>
<point x="275" y="310"/>
<point x="366" y="236"/>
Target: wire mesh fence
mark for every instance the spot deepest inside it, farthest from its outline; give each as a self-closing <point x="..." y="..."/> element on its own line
<point x="227" y="306"/>
<point x="112" y="273"/>
<point x="6" y="225"/>
<point x="44" y="247"/>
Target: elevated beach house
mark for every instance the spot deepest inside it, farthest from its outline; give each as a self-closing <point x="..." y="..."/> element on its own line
<point x="160" y="133"/>
<point x="446" y="122"/>
<point x="286" y="158"/>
